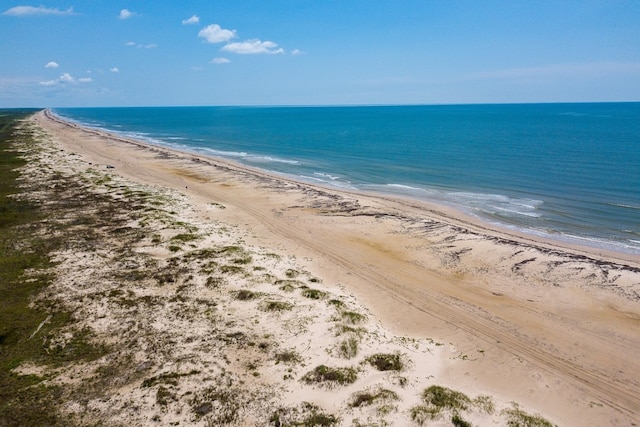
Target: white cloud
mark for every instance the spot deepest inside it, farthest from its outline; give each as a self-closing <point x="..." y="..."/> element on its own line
<point x="30" y="11"/>
<point x="253" y="47"/>
<point x="51" y="64"/>
<point x="193" y="20"/>
<point x="85" y="79"/>
<point x="66" y="78"/>
<point x="114" y="70"/>
<point x="296" y="52"/>
<point x="220" y="60"/>
<point x="142" y="46"/>
<point x="215" y="34"/>
<point x="125" y="14"/>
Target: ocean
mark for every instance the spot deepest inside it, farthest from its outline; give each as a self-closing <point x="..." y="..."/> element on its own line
<point x="569" y="172"/>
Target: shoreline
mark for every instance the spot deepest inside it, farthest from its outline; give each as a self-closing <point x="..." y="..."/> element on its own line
<point x="621" y="241"/>
<point x="559" y="321"/>
<point x="438" y="209"/>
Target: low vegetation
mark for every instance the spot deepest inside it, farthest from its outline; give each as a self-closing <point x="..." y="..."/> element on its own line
<point x="352" y="317"/>
<point x="288" y="356"/>
<point x="276" y="306"/>
<point x="306" y="415"/>
<point x="329" y="376"/>
<point x="313" y="293"/>
<point x="371" y="397"/>
<point x="28" y="330"/>
<point x="438" y="401"/>
<point x="245" y="295"/>
<point x="445" y="398"/>
<point x="348" y="348"/>
<point x="516" y="417"/>
<point x="386" y="362"/>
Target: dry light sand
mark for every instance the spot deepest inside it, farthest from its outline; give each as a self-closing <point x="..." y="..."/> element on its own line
<point x="483" y="311"/>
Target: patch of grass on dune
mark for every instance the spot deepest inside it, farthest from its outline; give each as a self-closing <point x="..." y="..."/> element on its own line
<point x="330" y="376"/>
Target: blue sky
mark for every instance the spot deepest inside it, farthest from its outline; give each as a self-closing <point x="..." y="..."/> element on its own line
<point x="58" y="53"/>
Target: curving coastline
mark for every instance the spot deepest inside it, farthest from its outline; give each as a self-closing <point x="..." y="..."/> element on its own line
<point x="560" y="322"/>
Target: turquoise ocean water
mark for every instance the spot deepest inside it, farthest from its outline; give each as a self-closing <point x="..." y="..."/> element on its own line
<point x="566" y="171"/>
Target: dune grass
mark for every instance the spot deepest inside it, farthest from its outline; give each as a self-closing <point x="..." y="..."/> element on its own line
<point x="330" y="376"/>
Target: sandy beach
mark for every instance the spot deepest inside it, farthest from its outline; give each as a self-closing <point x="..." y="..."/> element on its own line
<point x="321" y="277"/>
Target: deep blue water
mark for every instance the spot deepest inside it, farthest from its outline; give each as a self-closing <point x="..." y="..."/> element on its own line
<point x="567" y="171"/>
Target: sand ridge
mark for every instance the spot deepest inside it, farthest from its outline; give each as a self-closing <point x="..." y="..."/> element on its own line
<point x="560" y="323"/>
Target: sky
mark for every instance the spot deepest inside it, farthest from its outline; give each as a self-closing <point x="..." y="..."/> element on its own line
<point x="93" y="53"/>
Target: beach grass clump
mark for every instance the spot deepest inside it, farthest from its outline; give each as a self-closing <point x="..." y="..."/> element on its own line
<point x="242" y="260"/>
<point x="386" y="361"/>
<point x="220" y="405"/>
<point x="290" y="357"/>
<point x="164" y="396"/>
<point x="438" y="400"/>
<point x="245" y="295"/>
<point x="330" y="376"/>
<point x="184" y="237"/>
<point x="291" y="273"/>
<point x="348" y="348"/>
<point x="371" y="397"/>
<point x="277" y="306"/>
<point x="339" y="304"/>
<point x="352" y="317"/>
<point x="485" y="404"/>
<point x="357" y="331"/>
<point x="308" y="415"/>
<point x="446" y="398"/>
<point x="314" y="294"/>
<point x="288" y="282"/>
<point x="287" y="287"/>
<point x="458" y="421"/>
<point x="319" y="419"/>
<point x="516" y="417"/>
<point x="214" y="282"/>
<point x="169" y="378"/>
<point x="231" y="269"/>
<point x="419" y="414"/>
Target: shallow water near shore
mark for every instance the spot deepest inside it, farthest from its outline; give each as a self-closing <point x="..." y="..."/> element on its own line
<point x="566" y="171"/>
